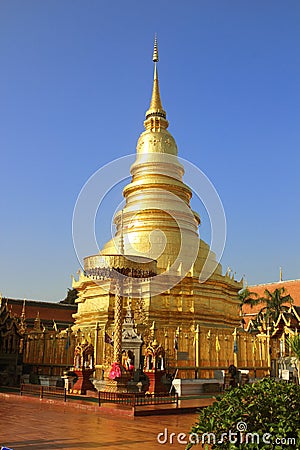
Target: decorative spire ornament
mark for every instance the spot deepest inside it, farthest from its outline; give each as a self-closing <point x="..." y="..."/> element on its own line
<point x="23" y="318"/>
<point x="155" y="50"/>
<point x="155" y="116"/>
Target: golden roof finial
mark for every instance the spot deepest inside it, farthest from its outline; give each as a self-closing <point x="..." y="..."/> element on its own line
<point x="23" y="310"/>
<point x="156" y="108"/>
<point x="23" y="318"/>
<point x="155" y="103"/>
<point x="37" y="322"/>
<point x="155" y="50"/>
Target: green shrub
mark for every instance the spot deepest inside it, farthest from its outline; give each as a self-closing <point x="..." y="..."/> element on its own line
<point x="269" y="408"/>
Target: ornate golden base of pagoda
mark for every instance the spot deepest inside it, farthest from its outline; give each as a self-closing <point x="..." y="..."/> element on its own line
<point x="195" y="313"/>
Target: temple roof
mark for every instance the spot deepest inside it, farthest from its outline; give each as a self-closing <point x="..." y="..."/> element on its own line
<point x="292" y="287"/>
<point x="48" y="312"/>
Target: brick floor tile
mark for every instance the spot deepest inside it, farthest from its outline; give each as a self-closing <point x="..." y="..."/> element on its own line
<point x="42" y="426"/>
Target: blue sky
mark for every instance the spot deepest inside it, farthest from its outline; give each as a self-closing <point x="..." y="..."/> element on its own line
<point x="75" y="82"/>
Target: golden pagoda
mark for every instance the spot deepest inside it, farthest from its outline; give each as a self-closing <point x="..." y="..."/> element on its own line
<point x="158" y="224"/>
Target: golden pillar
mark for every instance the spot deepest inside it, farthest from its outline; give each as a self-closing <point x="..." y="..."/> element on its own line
<point x="118" y="319"/>
<point x="268" y="347"/>
<point x="96" y="341"/>
<point x="283" y="344"/>
<point x="235" y="348"/>
<point x="198" y="348"/>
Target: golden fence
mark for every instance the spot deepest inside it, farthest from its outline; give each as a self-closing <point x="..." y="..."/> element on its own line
<point x="51" y="352"/>
<point x="199" y="353"/>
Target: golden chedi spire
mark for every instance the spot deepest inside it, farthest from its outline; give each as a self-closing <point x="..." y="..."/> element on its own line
<point x="156" y="198"/>
<point x="155" y="116"/>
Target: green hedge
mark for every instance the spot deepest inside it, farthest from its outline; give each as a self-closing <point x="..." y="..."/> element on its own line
<point x="268" y="408"/>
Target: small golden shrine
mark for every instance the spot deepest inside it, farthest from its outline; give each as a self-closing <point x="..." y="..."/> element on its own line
<point x="83" y="368"/>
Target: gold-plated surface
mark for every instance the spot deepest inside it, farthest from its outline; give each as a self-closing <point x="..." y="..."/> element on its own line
<point x="155" y="116"/>
<point x="118" y="320"/>
<point x="155" y="104"/>
<point x="157" y="222"/>
<point x="119" y="260"/>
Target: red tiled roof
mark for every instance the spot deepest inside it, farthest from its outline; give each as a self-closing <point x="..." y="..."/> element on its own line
<point x="292" y="287"/>
<point x="47" y="311"/>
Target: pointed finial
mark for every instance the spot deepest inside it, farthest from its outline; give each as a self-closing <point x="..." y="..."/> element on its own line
<point x="23" y="308"/>
<point x="23" y="318"/>
<point x="55" y="328"/>
<point x="153" y="330"/>
<point x="155" y="50"/>
<point x="280" y="274"/>
<point x="155" y="110"/>
<point x="37" y="322"/>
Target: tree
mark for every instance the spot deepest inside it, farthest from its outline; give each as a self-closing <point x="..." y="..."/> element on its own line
<point x="247" y="297"/>
<point x="294" y="343"/>
<point x="268" y="410"/>
<point x="72" y="295"/>
<point x="275" y="304"/>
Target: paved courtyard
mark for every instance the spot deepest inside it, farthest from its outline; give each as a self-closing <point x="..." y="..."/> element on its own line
<point x="27" y="424"/>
